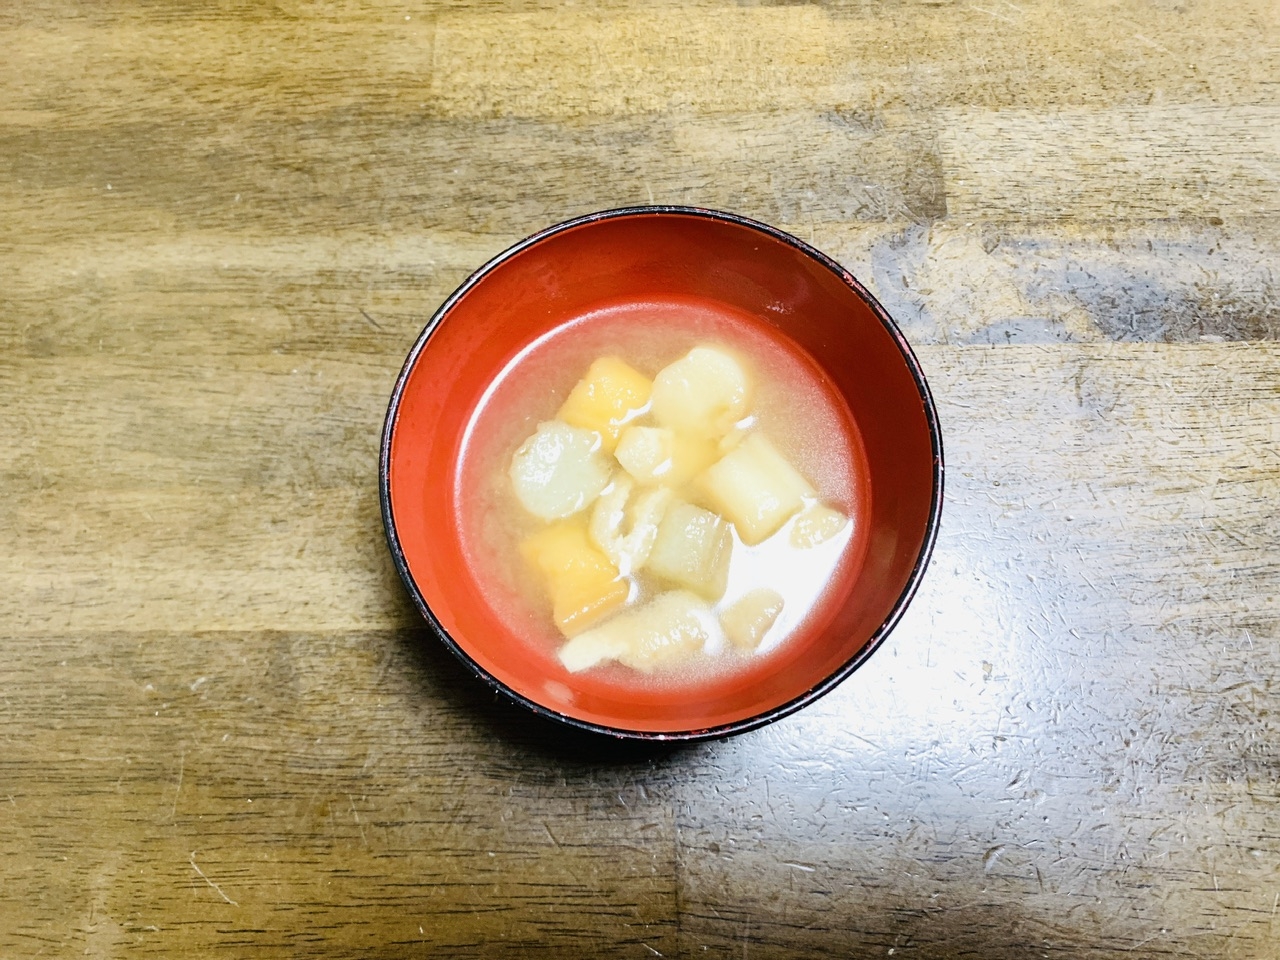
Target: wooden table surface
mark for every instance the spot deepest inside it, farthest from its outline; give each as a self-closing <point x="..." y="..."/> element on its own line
<point x="224" y="730"/>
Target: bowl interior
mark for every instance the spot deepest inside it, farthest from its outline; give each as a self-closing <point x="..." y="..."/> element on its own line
<point x="723" y="266"/>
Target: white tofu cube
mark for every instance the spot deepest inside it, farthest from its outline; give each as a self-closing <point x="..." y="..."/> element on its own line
<point x="755" y="488"/>
<point x="703" y="394"/>
<point x="692" y="549"/>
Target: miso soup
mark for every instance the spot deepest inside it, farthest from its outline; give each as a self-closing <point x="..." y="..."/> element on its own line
<point x="659" y="490"/>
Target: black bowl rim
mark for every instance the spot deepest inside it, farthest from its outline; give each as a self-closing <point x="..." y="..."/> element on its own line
<point x="755" y="721"/>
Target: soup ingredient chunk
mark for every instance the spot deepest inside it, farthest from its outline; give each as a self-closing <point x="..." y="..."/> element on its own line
<point x="606" y="398"/>
<point x="756" y="488"/>
<point x="749" y="619"/>
<point x="816" y="524"/>
<point x="671" y="628"/>
<point x="659" y="455"/>
<point x="654" y="501"/>
<point x="704" y="393"/>
<point x="692" y="549"/>
<point x="616" y="508"/>
<point x="583" y="584"/>
<point x="559" y="470"/>
<point x="646" y="452"/>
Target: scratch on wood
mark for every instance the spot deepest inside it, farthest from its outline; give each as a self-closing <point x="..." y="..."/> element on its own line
<point x="217" y="889"/>
<point x="182" y="763"/>
<point x="1150" y="43"/>
<point x="372" y="322"/>
<point x="551" y="835"/>
<point x="991" y="13"/>
<point x="352" y="800"/>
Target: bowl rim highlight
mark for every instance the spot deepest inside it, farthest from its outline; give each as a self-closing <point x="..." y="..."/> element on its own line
<point x="756" y="720"/>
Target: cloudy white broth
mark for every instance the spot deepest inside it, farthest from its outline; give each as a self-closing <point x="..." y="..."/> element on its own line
<point x="661" y="492"/>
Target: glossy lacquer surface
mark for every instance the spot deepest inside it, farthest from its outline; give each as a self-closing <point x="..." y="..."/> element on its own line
<point x="224" y="730"/>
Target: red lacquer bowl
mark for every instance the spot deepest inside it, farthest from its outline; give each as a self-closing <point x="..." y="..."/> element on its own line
<point x="724" y="264"/>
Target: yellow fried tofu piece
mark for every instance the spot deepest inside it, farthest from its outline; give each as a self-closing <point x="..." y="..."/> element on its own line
<point x="755" y="488"/>
<point x="604" y="400"/>
<point x="584" y="586"/>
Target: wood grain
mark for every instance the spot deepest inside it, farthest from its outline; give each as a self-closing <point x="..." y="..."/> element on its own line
<point x="1073" y="161"/>
<point x="223" y="729"/>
